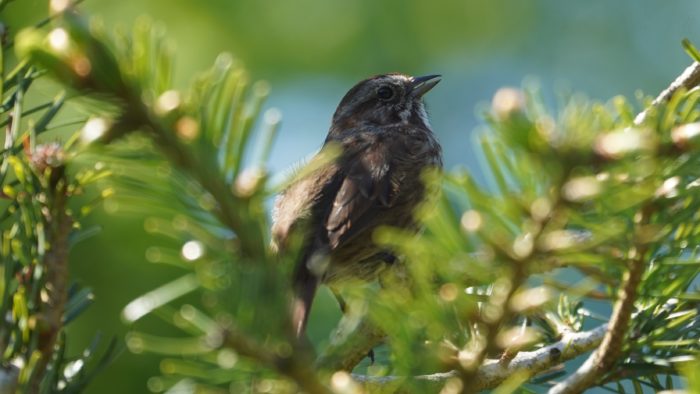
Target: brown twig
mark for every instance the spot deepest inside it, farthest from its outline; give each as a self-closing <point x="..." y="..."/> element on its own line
<point x="58" y="224"/>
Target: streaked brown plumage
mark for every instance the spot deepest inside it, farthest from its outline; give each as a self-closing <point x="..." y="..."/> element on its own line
<point x="386" y="143"/>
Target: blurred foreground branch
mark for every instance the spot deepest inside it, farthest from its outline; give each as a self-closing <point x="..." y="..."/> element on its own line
<point x="296" y="368"/>
<point x="204" y="134"/>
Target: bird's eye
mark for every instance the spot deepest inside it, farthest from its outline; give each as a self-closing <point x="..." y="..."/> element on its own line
<point x="385" y="93"/>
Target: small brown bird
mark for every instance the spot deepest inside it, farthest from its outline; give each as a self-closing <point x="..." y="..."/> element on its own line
<point x="385" y="142"/>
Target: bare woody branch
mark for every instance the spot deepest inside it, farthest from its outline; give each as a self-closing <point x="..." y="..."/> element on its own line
<point x="349" y="348"/>
<point x="689" y="79"/>
<point x="493" y="372"/>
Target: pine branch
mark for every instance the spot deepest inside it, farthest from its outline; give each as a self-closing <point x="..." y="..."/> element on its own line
<point x="603" y="359"/>
<point x="185" y="135"/>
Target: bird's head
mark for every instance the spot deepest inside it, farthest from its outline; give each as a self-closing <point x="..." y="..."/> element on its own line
<point x="384" y="100"/>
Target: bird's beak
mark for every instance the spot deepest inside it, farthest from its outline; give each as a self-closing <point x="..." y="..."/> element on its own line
<point x="421" y="85"/>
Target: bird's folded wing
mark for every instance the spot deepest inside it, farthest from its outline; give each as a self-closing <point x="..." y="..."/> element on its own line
<point x="365" y="189"/>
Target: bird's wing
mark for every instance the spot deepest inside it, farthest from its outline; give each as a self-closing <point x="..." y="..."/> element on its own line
<point x="365" y="189"/>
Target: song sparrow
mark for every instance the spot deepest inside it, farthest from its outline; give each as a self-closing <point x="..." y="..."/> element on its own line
<point x="385" y="142"/>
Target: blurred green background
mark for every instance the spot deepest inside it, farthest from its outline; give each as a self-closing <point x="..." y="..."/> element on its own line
<point x="312" y="51"/>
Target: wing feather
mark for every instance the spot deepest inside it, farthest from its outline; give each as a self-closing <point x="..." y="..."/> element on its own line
<point x="365" y="189"/>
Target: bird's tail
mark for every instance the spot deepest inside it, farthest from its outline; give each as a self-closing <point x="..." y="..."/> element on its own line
<point x="305" y="285"/>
